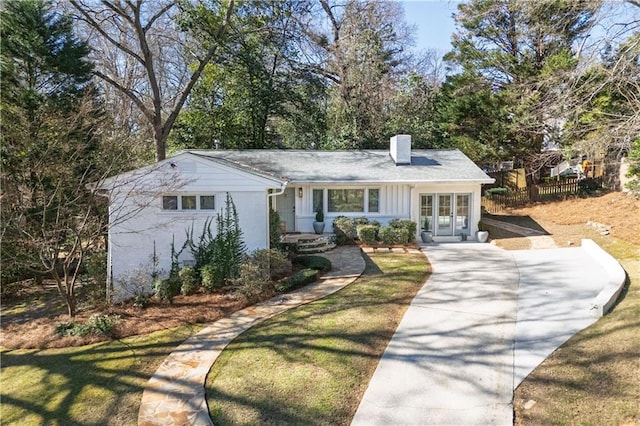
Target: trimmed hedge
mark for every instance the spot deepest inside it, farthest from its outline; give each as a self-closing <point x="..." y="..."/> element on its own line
<point x="345" y="230"/>
<point x="390" y="235"/>
<point x="368" y="234"/>
<point x="318" y="263"/>
<point x="297" y="280"/>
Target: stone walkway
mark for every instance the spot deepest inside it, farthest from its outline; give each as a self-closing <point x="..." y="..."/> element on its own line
<point x="175" y="394"/>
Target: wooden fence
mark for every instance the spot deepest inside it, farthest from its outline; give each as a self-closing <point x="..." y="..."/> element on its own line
<point x="495" y="203"/>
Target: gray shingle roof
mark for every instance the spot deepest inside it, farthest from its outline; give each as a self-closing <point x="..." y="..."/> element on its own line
<point x="440" y="165"/>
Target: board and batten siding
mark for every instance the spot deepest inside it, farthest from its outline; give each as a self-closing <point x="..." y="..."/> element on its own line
<point x="395" y="202"/>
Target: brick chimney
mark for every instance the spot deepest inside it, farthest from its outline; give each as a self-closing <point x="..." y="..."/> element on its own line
<point x="400" y="149"/>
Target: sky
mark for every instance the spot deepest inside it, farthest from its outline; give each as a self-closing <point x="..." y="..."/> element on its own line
<point x="434" y="22"/>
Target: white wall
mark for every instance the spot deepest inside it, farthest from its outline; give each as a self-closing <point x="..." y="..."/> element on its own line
<point x="475" y="200"/>
<point x="137" y="220"/>
<point x="396" y="201"/>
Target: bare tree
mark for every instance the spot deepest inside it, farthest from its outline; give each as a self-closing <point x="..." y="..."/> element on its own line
<point x="142" y="52"/>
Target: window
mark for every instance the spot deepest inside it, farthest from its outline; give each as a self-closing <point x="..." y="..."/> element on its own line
<point x="188" y="202"/>
<point x="318" y="200"/>
<point x="169" y="202"/>
<point x="207" y="202"/>
<point x="346" y="200"/>
<point x="374" y="200"/>
<point x="352" y="200"/>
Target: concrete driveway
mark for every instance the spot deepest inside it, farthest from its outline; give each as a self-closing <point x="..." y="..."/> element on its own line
<point x="485" y="319"/>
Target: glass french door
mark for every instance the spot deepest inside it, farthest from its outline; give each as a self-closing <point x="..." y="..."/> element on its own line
<point x="445" y="214"/>
<point x="426" y="212"/>
<point x="462" y="214"/>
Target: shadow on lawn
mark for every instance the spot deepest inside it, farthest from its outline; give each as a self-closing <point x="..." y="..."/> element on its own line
<point x="98" y="384"/>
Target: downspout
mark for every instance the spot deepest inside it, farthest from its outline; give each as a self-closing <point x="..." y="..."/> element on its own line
<point x="283" y="187"/>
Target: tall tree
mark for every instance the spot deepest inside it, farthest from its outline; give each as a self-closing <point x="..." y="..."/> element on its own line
<point x="141" y="50"/>
<point x="50" y="147"/>
<point x="360" y="51"/>
<point x="254" y="84"/>
<point x="523" y="50"/>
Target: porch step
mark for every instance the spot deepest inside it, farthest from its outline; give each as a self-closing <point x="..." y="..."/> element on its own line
<point x="310" y="243"/>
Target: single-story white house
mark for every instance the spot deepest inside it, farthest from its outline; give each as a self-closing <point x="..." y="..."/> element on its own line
<point x="152" y="206"/>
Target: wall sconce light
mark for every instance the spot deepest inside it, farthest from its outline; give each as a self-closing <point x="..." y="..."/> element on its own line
<point x="299" y="192"/>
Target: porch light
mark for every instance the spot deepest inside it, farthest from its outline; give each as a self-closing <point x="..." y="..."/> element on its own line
<point x="299" y="192"/>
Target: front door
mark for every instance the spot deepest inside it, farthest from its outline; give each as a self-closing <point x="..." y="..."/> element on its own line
<point x="445" y="215"/>
<point x="286" y="208"/>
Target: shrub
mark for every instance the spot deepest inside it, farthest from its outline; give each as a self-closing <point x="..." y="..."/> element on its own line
<point x="497" y="191"/>
<point x="104" y="324"/>
<point x="368" y="234"/>
<point x="297" y="280"/>
<point x="588" y="186"/>
<point x="273" y="262"/>
<point x="251" y="282"/>
<point x="318" y="263"/>
<point x="345" y="230"/>
<point x="168" y="288"/>
<point x="361" y="220"/>
<point x="100" y="324"/>
<point x="319" y="215"/>
<point x="275" y="237"/>
<point x="407" y="224"/>
<point x="211" y="277"/>
<point x="190" y="282"/>
<point x="390" y="235"/>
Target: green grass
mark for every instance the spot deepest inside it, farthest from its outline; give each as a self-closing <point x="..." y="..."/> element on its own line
<point x="312" y="364"/>
<point x="88" y="385"/>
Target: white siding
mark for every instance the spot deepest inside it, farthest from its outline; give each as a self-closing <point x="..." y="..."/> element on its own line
<point x="137" y="220"/>
<point x="396" y="201"/>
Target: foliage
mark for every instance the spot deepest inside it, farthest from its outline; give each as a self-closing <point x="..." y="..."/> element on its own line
<point x="344" y="229"/>
<point x="143" y="51"/>
<point x="409" y="225"/>
<point x="297" y="280"/>
<point x="251" y="281"/>
<point x="390" y="235"/>
<point x="102" y="324"/>
<point x="319" y="215"/>
<point x="275" y="234"/>
<point x="167" y="288"/>
<point x="50" y="115"/>
<point x="190" y="281"/>
<point x="204" y="251"/>
<point x="634" y="168"/>
<point x="274" y="263"/>
<point x="497" y="191"/>
<point x="229" y="246"/>
<point x="589" y="186"/>
<point x="516" y="63"/>
<point x="211" y="280"/>
<point x="368" y="234"/>
<point x="217" y="258"/>
<point x="318" y="263"/>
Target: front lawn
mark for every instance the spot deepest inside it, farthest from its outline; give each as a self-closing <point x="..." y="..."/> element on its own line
<point x="312" y="364"/>
<point x="98" y="384"/>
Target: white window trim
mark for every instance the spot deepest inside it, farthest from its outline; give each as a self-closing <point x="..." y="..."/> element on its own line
<point x="198" y="208"/>
<point x="325" y="196"/>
